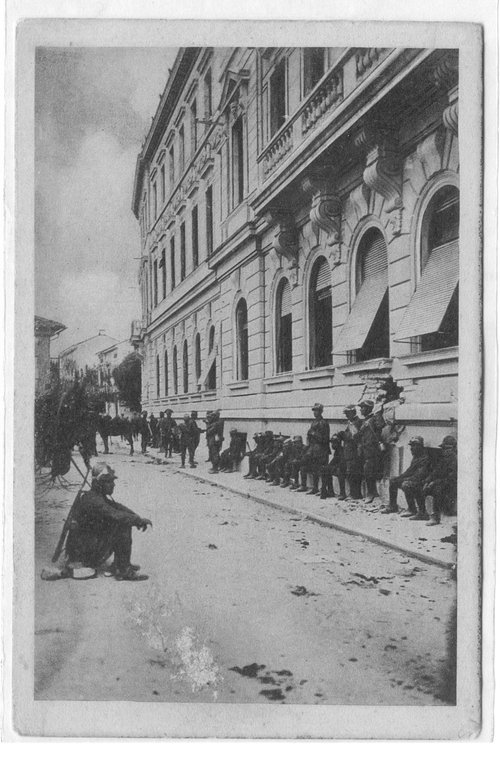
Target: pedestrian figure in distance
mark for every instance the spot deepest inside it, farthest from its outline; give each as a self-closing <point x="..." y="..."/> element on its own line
<point x="169" y="432"/>
<point x="161" y="434"/>
<point x="145" y="432"/>
<point x="215" y="437"/>
<point x="103" y="427"/>
<point x="153" y="425"/>
<point x="370" y="447"/>
<point x="318" y="450"/>
<point x="194" y="437"/>
<point x="101" y="527"/>
<point x="411" y="482"/>
<point x="441" y="483"/>
<point x="353" y="466"/>
<point x="183" y="438"/>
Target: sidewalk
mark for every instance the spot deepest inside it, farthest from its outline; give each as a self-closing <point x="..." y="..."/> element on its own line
<point x="413" y="538"/>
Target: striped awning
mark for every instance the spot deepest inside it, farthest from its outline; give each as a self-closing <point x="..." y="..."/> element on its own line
<point x="432" y="296"/>
<point x="368" y="301"/>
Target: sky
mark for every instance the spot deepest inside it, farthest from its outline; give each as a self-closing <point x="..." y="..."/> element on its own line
<point x="93" y="108"/>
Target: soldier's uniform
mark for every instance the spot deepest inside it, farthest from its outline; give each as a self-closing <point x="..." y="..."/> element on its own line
<point x="411" y="482"/>
<point x="215" y="437"/>
<point x="336" y="467"/>
<point x="318" y="450"/>
<point x="441" y="483"/>
<point x="184" y="436"/>
<point x="252" y="455"/>
<point x="292" y="466"/>
<point x="353" y="466"/>
<point x="232" y="455"/>
<point x="153" y="425"/>
<point x="145" y="432"/>
<point x="276" y="468"/>
<point x="370" y="444"/>
<point x="193" y="437"/>
<point x="266" y="455"/>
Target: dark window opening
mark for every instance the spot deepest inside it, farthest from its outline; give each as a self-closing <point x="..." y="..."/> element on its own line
<point x="185" y="369"/>
<point x="194" y="127"/>
<point x="166" y="373"/>
<point x="171" y="168"/>
<point x="377" y="344"/>
<point x="238" y="161"/>
<point x="212" y="374"/>
<point x="162" y="172"/>
<point x="194" y="236"/>
<point x="157" y="376"/>
<point x="183" y="251"/>
<point x="163" y="266"/>
<point x="320" y="297"/>
<point x="444" y="224"/>
<point x="175" y="374"/>
<point x="155" y="283"/>
<point x="208" y="97"/>
<point x="242" y="341"/>
<point x="181" y="149"/>
<point x="197" y="358"/>
<point x="284" y="329"/>
<point x="314" y="67"/>
<point x="277" y="97"/>
<point x="447" y="336"/>
<point x="172" y="263"/>
<point x="209" y="220"/>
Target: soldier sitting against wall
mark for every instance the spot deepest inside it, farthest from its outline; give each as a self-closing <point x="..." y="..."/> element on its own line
<point x="337" y="468"/>
<point x="411" y="482"/>
<point x="258" y="438"/>
<point x="441" y="483"/>
<point x="318" y="450"/>
<point x="293" y="464"/>
<point x="233" y="455"/>
<point x="272" y="450"/>
<point x="265" y="448"/>
<point x="276" y="468"/>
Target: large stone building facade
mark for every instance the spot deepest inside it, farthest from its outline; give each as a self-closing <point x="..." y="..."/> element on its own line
<point x="299" y="214"/>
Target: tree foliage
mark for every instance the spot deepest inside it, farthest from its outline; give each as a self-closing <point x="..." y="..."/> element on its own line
<point x="127" y="378"/>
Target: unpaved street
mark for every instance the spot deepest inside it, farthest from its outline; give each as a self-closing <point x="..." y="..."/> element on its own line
<point x="244" y="604"/>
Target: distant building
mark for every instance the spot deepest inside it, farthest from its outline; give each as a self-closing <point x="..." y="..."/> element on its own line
<point x="299" y="218"/>
<point x="108" y="360"/>
<point x="45" y="330"/>
<point x="82" y="359"/>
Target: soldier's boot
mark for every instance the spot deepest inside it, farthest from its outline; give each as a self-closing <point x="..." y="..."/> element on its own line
<point x="421" y="514"/>
<point x="342" y="495"/>
<point x="410" y="500"/>
<point x="435" y="518"/>
<point x="326" y="486"/>
<point x="355" y="488"/>
<point x="303" y="482"/>
<point x="314" y="490"/>
<point x="285" y="482"/>
<point x="371" y="490"/>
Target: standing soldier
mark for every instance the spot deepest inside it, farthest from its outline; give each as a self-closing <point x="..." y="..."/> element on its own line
<point x="292" y="467"/>
<point x="370" y="447"/>
<point x="183" y="435"/>
<point x="318" y="450"/>
<point x="194" y="437"/>
<point x="353" y="467"/>
<point x="153" y="425"/>
<point x="336" y="467"/>
<point x="145" y="432"/>
<point x="441" y="484"/>
<point x="169" y="432"/>
<point x="161" y="424"/>
<point x="215" y="437"/>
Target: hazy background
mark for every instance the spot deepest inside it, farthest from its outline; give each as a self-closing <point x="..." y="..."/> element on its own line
<point x="93" y="108"/>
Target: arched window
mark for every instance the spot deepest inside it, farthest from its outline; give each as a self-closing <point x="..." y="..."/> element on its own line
<point x="320" y="314"/>
<point x="431" y="319"/>
<point x="157" y="376"/>
<point x="241" y="340"/>
<point x="197" y="358"/>
<point x="365" y="334"/>
<point x="175" y="374"/>
<point x="284" y="327"/>
<point x="211" y="382"/>
<point x="166" y="373"/>
<point x="185" y="368"/>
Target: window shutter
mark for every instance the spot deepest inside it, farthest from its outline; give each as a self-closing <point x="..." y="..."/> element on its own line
<point x="323" y="276"/>
<point x="286" y="299"/>
<point x="375" y="257"/>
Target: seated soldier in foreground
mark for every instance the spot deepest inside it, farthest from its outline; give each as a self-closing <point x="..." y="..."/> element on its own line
<point x="276" y="468"/>
<point x="102" y="527"/>
<point x="411" y="482"/>
<point x="232" y="455"/>
<point x="441" y="483"/>
<point x="336" y="467"/>
<point x="292" y="467"/>
<point x="258" y="438"/>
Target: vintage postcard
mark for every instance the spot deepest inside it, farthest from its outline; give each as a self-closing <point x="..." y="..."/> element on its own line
<point x="248" y="440"/>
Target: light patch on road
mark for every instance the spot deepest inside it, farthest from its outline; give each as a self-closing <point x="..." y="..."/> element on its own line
<point x="198" y="664"/>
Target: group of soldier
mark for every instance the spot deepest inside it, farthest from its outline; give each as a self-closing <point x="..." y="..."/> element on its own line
<point x="359" y="454"/>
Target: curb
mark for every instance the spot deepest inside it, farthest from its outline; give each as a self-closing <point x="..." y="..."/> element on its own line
<point x="318" y="520"/>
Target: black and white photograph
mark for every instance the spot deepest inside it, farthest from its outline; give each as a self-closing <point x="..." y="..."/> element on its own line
<point x="248" y="293"/>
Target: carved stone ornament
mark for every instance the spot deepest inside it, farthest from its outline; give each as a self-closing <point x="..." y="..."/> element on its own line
<point x="286" y="240"/>
<point x="325" y="214"/>
<point x="450" y="114"/>
<point x="384" y="174"/>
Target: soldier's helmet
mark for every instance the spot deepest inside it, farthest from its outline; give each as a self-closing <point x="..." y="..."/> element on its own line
<point x="449" y="442"/>
<point x="417" y="441"/>
<point x="367" y="404"/>
<point x="169" y="411"/>
<point x="101" y="469"/>
<point x="297" y="438"/>
<point x="233" y="431"/>
<point x="317" y="407"/>
<point x="186" y="417"/>
<point x="350" y="409"/>
<point x="268" y="433"/>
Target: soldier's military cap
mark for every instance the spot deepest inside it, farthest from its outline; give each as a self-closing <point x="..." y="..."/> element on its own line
<point x="417" y="441"/>
<point x="101" y="469"/>
<point x="297" y="438"/>
<point x="317" y="406"/>
<point x="268" y="433"/>
<point x="233" y="431"/>
<point x="448" y="441"/>
<point x="349" y="408"/>
<point x="367" y="404"/>
<point x="186" y="417"/>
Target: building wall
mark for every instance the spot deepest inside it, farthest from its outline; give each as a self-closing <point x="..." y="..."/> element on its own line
<point x="275" y="232"/>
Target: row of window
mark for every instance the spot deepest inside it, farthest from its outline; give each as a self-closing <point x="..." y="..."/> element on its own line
<point x="165" y="276"/>
<point x="209" y="380"/>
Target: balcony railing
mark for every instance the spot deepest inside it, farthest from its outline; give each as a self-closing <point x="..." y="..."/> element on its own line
<point x="278" y="148"/>
<point x="328" y="94"/>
